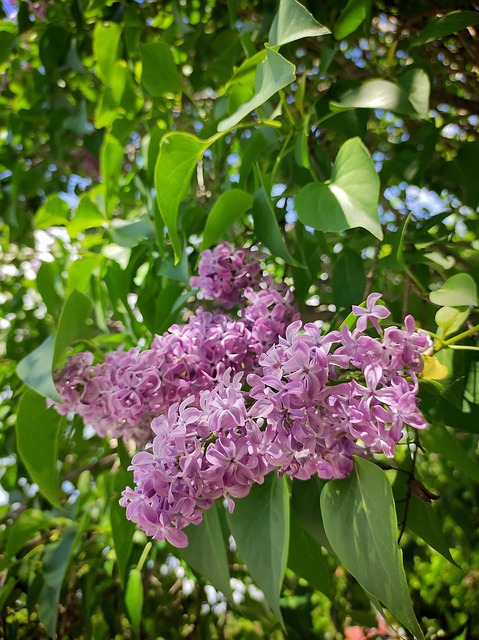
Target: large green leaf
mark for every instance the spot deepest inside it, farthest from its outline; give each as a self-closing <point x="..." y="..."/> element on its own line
<point x="458" y="291"/>
<point x="179" y="155"/>
<point x="272" y="74"/>
<point x="36" y="370"/>
<point x="360" y="522"/>
<point x="106" y="48"/>
<point x="159" y="74"/>
<point x="349" y="199"/>
<point x="384" y="94"/>
<point x="55" y="563"/>
<point x="229" y="207"/>
<point x="293" y="22"/>
<point x="306" y="558"/>
<point x="351" y="17"/>
<point x="206" y="551"/>
<point x="423" y="521"/>
<point x="442" y="441"/>
<point x="305" y="502"/>
<point x="37" y="431"/>
<point x="348" y="280"/>
<point x="260" y="526"/>
<point x="444" y="25"/>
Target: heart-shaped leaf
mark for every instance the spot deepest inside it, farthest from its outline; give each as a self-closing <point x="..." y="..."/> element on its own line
<point x="458" y="291"/>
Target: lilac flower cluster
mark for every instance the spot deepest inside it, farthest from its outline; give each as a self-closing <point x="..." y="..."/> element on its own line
<point x="121" y="396"/>
<point x="316" y="401"/>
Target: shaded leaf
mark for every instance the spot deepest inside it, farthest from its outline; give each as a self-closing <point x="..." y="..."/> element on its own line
<point x="24" y="528"/>
<point x="159" y="74"/>
<point x="348" y="279"/>
<point x="206" y="552"/>
<point x="351" y="17"/>
<point x="444" y="25"/>
<point x="272" y="74"/>
<point x="368" y="547"/>
<point x="439" y="439"/>
<point x="293" y="22"/>
<point x="229" y="207"/>
<point x="349" y="199"/>
<point x="260" y="526"/>
<point x="122" y="529"/>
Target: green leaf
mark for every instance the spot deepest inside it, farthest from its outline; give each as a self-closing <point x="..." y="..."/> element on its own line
<point x="450" y="319"/>
<point x="416" y="84"/>
<point x="179" y="155"/>
<point x="380" y="94"/>
<point x="266" y="225"/>
<point x="458" y="291"/>
<point x="37" y="431"/>
<point x="422" y="520"/>
<point x="260" y="526"/>
<point x="306" y="505"/>
<point x="111" y="158"/>
<point x="229" y="207"/>
<point x="106" y="48"/>
<point x="55" y="563"/>
<point x="351" y="17"/>
<point x="439" y="439"/>
<point x="444" y="25"/>
<point x="134" y="599"/>
<point x="348" y="280"/>
<point x="122" y="529"/>
<point x="54" y="212"/>
<point x="306" y="558"/>
<point x="36" y="370"/>
<point x="73" y="323"/>
<point x="206" y="552"/>
<point x="360" y="522"/>
<point x="272" y="74"/>
<point x="24" y="528"/>
<point x="349" y="199"/>
<point x="159" y="74"/>
<point x="86" y="216"/>
<point x="293" y="22"/>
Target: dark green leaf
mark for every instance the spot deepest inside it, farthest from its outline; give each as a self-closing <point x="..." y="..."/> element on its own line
<point x="179" y="155"/>
<point x="24" y="528"/>
<point x="367" y="546"/>
<point x="206" y="552"/>
<point x="122" y="529"/>
<point x="37" y="431"/>
<point x="272" y="74"/>
<point x="229" y="207"/>
<point x="422" y="520"/>
<point x="444" y="25"/>
<point x="351" y="17"/>
<point x="159" y="74"/>
<point x="349" y="199"/>
<point x="260" y="526"/>
<point x="348" y="279"/>
<point x="293" y="22"/>
<point x="439" y="439"/>
<point x="306" y="505"/>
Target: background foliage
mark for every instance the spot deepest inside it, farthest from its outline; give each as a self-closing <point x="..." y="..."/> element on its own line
<point x="343" y="141"/>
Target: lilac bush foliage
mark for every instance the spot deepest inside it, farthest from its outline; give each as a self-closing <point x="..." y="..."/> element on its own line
<point x="120" y="396"/>
<point x="315" y="401"/>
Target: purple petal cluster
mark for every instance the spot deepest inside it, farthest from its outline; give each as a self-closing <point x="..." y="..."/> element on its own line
<point x="225" y="273"/>
<point x="315" y="401"/>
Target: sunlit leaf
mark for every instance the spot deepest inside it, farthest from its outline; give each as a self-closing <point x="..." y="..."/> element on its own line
<point x="134" y="598"/>
<point x="444" y="25"/>
<point x="106" y="48"/>
<point x="272" y="74"/>
<point x="54" y="212"/>
<point x="458" y="291"/>
<point x="159" y="74"/>
<point x="368" y="546"/>
<point x="293" y="22"/>
<point x="349" y="199"/>
<point x="351" y="17"/>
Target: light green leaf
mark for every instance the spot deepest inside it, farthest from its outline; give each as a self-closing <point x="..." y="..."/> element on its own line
<point x="55" y="563"/>
<point x="306" y="558"/>
<point x="82" y="270"/>
<point x="450" y="319"/>
<point x="37" y="430"/>
<point x="377" y="94"/>
<point x="229" y="207"/>
<point x="293" y="22"/>
<point x="73" y="324"/>
<point x="106" y="48"/>
<point x="206" y="552"/>
<point x="54" y="212"/>
<point x="86" y="216"/>
<point x="440" y="440"/>
<point x="349" y="199"/>
<point x="134" y="599"/>
<point x="260" y="526"/>
<point x="351" y="17"/>
<point x="159" y="74"/>
<point x="266" y="225"/>
<point x="458" y="291"/>
<point x="28" y="523"/>
<point x="367" y="546"/>
<point x="416" y="84"/>
<point x="272" y="74"/>
<point x="111" y="158"/>
<point x="129" y="233"/>
<point x="179" y="155"/>
<point x="36" y="370"/>
<point x="444" y="25"/>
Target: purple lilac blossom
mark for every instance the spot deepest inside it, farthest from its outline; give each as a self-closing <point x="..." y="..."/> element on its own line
<point x="315" y="402"/>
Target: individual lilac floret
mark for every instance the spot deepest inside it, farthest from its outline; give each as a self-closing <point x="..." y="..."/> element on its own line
<point x="224" y="274"/>
<point x="372" y="312"/>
